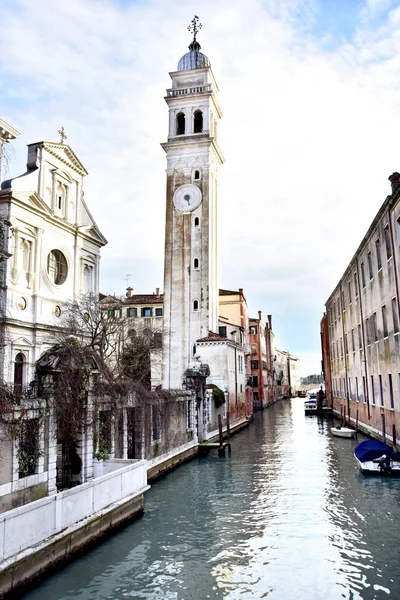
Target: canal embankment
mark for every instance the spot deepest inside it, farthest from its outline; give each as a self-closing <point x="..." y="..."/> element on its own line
<point x="287" y="515"/>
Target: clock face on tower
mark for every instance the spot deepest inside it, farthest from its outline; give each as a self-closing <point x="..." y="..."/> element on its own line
<point x="187" y="197"/>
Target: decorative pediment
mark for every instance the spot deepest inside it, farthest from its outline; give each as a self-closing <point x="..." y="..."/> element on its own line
<point x="22" y="342"/>
<point x="63" y="153"/>
<point x="63" y="175"/>
<point x="94" y="233"/>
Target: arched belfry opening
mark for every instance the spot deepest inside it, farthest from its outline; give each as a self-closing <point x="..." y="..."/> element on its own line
<point x="198" y="122"/>
<point x="180" y="123"/>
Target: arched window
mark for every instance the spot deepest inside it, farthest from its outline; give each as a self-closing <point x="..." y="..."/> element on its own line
<point x="196" y="263"/>
<point x="196" y="221"/>
<point x="197" y="175"/>
<point x="87" y="278"/>
<point x="198" y="122"/>
<point x="180" y="123"/>
<point x="60" y="196"/>
<point x="19" y="371"/>
<point x="25" y="250"/>
<point x="195" y="305"/>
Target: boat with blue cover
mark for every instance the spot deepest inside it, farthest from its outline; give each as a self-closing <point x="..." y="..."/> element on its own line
<point x="377" y="458"/>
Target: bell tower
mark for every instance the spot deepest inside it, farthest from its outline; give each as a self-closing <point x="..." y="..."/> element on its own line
<point x="191" y="253"/>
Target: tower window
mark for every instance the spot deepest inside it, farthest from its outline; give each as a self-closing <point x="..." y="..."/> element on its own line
<point x="198" y="122"/>
<point x="196" y="263"/>
<point x="180" y="123"/>
<point x="195" y="305"/>
<point x="196" y="221"/>
<point x="197" y="175"/>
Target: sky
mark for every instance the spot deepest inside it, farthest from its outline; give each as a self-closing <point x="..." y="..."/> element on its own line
<point x="310" y="95"/>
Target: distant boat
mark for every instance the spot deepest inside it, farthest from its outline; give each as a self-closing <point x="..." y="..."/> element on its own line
<point x="343" y="432"/>
<point x="310" y="407"/>
<point x="312" y="395"/>
<point x="376" y="458"/>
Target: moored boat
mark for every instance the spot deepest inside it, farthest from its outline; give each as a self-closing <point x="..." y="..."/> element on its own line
<point x="377" y="458"/>
<point x="310" y="407"/>
<point x="343" y="432"/>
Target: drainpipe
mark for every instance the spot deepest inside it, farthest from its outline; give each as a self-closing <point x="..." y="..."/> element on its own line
<point x="260" y="381"/>
<point x="345" y="356"/>
<point x="394" y="180"/>
<point x="364" y="345"/>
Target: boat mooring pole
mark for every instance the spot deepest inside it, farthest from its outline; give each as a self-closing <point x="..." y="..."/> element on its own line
<point x="221" y="450"/>
<point x="394" y="436"/>
<point x="228" y="431"/>
<point x="383" y="428"/>
<point x="357" y="423"/>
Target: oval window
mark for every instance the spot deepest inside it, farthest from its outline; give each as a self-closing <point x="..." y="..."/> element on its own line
<point x="57" y="268"/>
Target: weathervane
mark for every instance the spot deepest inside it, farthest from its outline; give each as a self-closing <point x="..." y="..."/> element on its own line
<point x="62" y="135"/>
<point x="195" y="26"/>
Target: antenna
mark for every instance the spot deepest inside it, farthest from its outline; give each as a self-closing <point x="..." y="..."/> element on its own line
<point x="128" y="279"/>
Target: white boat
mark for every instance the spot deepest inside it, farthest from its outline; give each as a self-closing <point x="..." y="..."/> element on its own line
<point x="310" y="407"/>
<point x="343" y="432"/>
<point x="376" y="458"/>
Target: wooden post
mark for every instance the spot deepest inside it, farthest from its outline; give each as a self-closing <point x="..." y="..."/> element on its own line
<point x="357" y="422"/>
<point x="341" y="414"/>
<point x="394" y="436"/>
<point x="383" y="428"/>
<point x="228" y="430"/>
<point x="221" y="449"/>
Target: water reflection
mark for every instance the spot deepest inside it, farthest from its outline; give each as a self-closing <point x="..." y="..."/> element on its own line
<point x="286" y="516"/>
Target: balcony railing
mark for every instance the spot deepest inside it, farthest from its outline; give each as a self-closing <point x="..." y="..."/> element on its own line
<point x="196" y="89"/>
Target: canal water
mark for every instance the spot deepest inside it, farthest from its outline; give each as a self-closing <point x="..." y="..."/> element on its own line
<point x="287" y="516"/>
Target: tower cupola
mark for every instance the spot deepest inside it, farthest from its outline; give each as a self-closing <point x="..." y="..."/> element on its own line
<point x="194" y="59"/>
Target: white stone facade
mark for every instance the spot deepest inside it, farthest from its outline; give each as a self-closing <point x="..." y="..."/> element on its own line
<point x="55" y="251"/>
<point x="53" y="245"/>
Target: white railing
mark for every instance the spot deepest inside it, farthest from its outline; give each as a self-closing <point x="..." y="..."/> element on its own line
<point x="197" y="89"/>
<point x="28" y="525"/>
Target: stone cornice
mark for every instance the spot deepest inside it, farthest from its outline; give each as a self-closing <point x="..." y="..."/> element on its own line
<point x="189" y="141"/>
<point x="7" y="132"/>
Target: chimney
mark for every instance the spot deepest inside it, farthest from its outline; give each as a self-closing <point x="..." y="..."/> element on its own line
<point x="157" y="291"/>
<point x="129" y="291"/>
<point x="394" y="180"/>
<point x="270" y="321"/>
<point x="260" y="314"/>
<point x="241" y="291"/>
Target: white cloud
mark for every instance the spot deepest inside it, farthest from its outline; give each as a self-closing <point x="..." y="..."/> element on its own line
<point x="307" y="134"/>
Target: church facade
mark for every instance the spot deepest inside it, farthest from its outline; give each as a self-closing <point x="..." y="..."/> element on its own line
<point x="54" y="246"/>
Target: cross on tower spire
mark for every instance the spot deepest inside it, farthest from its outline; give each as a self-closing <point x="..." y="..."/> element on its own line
<point x="195" y="26"/>
<point x="62" y="135"/>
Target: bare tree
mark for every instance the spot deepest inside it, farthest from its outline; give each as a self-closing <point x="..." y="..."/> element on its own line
<point x="92" y="329"/>
<point x="6" y="155"/>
